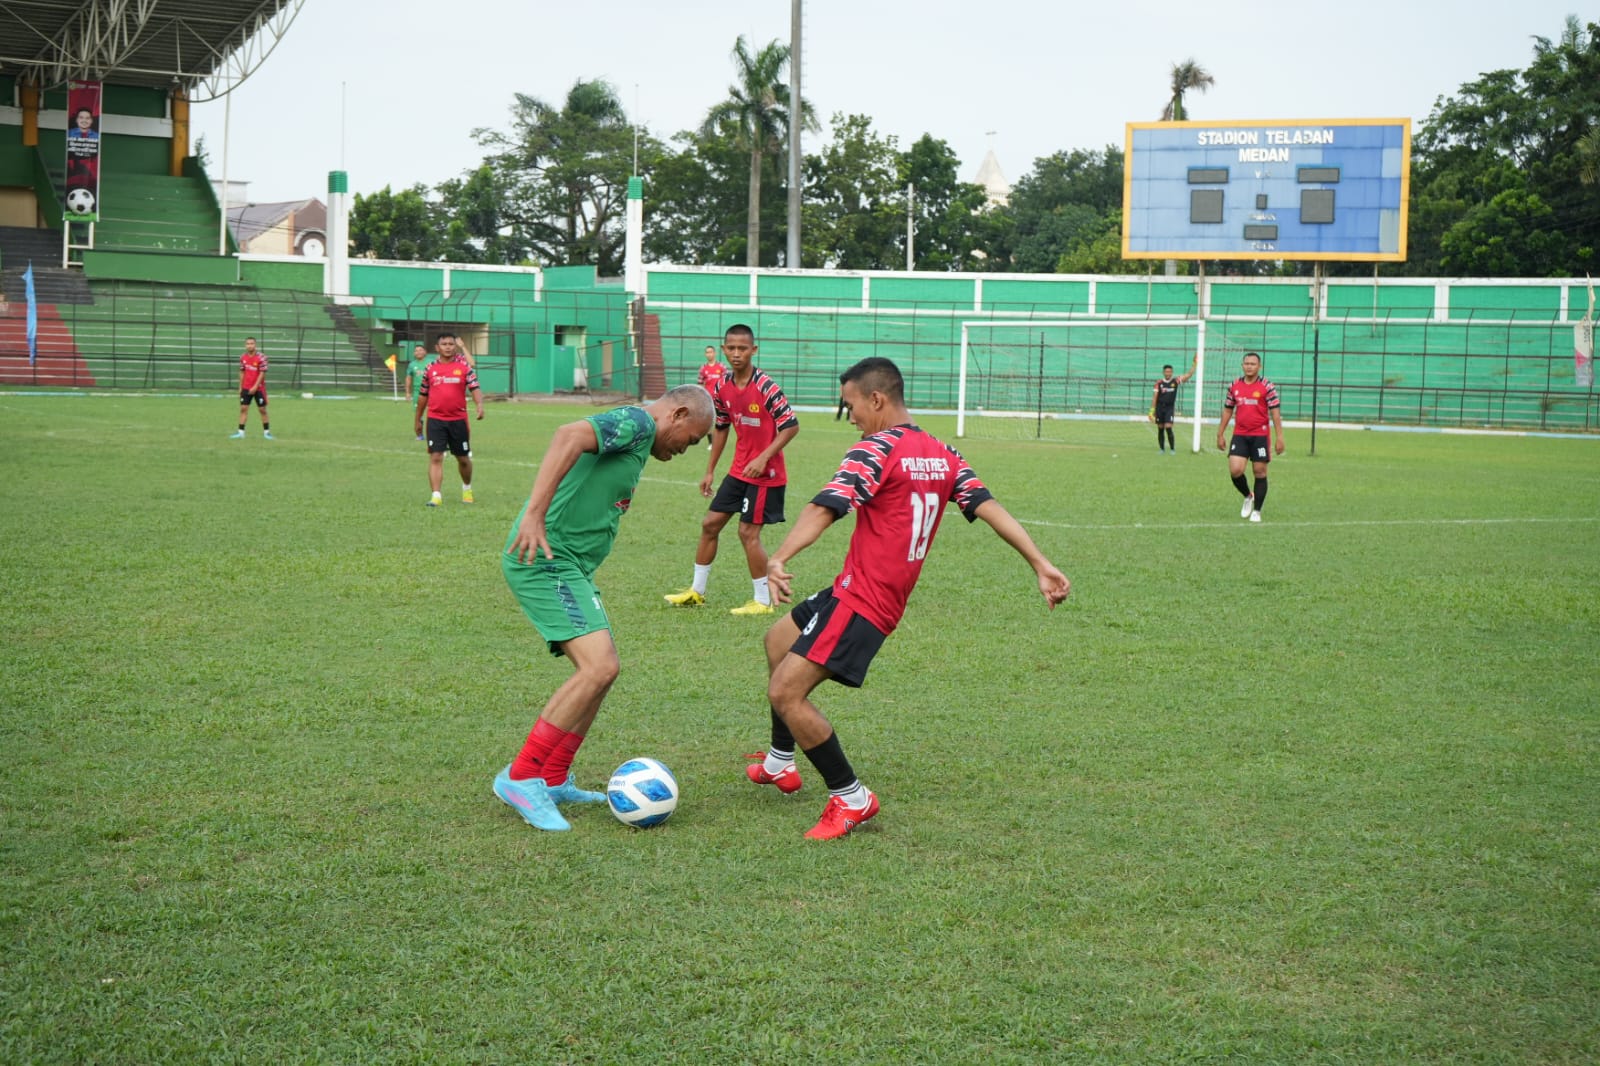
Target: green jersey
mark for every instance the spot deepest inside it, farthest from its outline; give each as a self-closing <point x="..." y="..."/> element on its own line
<point x="414" y="371"/>
<point x="591" y="500"/>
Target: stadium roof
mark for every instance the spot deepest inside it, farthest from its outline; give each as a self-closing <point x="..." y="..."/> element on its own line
<point x="205" y="46"/>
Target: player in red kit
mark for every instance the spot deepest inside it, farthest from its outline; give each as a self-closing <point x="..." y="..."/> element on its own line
<point x="1252" y="403"/>
<point x="711" y="370"/>
<point x="753" y="404"/>
<point x="897" y="481"/>
<point x="253" y="387"/>
<point x="443" y="396"/>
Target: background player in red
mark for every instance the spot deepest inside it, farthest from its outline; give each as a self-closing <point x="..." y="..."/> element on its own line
<point x="711" y="370"/>
<point x="443" y="395"/>
<point x="897" y="481"/>
<point x="253" y="387"/>
<point x="750" y="401"/>
<point x="1252" y="402"/>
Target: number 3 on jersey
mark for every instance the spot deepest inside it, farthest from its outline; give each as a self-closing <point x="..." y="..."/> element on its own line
<point x="924" y="514"/>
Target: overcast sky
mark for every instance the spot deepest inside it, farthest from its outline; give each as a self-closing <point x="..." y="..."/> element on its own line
<point x="1029" y="77"/>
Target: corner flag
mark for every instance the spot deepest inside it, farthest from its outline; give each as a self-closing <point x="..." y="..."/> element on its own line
<point x="33" y="315"/>
<point x="389" y="362"/>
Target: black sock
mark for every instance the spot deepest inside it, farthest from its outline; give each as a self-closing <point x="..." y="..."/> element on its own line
<point x="1240" y="483"/>
<point x="782" y="739"/>
<point x="1172" y="441"/>
<point x="1161" y="438"/>
<point x="828" y="758"/>
<point x="266" y="428"/>
<point x="1261" y="492"/>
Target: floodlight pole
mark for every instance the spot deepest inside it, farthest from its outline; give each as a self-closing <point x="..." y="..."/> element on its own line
<point x="791" y="255"/>
<point x="911" y="223"/>
<point x="222" y="223"/>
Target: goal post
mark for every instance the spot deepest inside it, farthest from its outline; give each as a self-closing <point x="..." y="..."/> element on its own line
<point x="1014" y="376"/>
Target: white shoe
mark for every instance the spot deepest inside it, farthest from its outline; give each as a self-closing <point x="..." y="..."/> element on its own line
<point x="1249" y="507"/>
<point x="1255" y="516"/>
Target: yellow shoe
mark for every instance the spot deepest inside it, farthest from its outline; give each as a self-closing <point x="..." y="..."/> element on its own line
<point x="685" y="598"/>
<point x="466" y="495"/>
<point x="753" y="607"/>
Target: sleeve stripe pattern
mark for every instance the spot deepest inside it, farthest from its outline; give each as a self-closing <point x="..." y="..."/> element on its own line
<point x="859" y="474"/>
<point x="777" y="403"/>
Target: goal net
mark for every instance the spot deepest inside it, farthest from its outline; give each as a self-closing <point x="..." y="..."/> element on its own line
<point x="1018" y="380"/>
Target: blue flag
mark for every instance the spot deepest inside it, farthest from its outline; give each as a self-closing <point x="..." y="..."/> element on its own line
<point x="33" y="316"/>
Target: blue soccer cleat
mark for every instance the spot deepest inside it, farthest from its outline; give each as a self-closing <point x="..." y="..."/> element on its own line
<point x="569" y="792"/>
<point x="531" y="799"/>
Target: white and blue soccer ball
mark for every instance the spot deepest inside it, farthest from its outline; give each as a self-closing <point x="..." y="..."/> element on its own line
<point x="80" y="201"/>
<point x="642" y="793"/>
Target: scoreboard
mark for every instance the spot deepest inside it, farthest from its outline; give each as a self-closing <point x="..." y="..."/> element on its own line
<point x="1257" y="189"/>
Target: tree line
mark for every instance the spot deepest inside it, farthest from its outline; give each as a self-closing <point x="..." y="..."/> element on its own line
<point x="1505" y="182"/>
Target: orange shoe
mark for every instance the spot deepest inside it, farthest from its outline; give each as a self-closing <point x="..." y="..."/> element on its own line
<point x="838" y="819"/>
<point x="787" y="779"/>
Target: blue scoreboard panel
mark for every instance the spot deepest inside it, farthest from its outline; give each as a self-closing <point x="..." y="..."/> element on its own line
<point x="1293" y="189"/>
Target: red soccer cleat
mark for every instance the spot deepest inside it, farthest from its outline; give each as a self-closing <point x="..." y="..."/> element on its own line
<point x="787" y="780"/>
<point x="838" y="819"/>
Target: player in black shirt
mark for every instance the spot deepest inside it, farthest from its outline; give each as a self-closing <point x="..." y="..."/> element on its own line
<point x="1166" y="401"/>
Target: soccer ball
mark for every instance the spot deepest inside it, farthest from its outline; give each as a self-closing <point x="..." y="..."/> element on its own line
<point x="80" y="201"/>
<point x="642" y="793"/>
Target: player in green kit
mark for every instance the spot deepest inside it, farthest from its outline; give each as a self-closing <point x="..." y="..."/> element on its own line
<point x="584" y="486"/>
<point x="414" y="372"/>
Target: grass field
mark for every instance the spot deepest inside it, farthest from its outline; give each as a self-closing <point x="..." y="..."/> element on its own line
<point x="1322" y="790"/>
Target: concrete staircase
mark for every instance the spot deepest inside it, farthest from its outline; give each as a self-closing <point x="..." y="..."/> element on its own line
<point x="652" y="367"/>
<point x="21" y="246"/>
<point x="360" y="338"/>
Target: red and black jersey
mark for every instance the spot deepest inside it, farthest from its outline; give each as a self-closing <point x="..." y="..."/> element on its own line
<point x="445" y="384"/>
<point x="711" y="375"/>
<point x="252" y="368"/>
<point x="1250" y="402"/>
<point x="897" y="481"/>
<point x="757" y="410"/>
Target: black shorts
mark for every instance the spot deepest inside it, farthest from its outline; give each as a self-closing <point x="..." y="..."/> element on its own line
<point x="1255" y="449"/>
<point x="1164" y="414"/>
<point x="760" y="505"/>
<point x="259" y="396"/>
<point x="452" y="436"/>
<point x="835" y="637"/>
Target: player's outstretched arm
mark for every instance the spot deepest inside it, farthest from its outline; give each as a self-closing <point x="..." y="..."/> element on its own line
<point x="569" y="442"/>
<point x="813" y="522"/>
<point x="1053" y="584"/>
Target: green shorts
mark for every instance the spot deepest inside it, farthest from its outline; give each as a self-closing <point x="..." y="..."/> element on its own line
<point x="558" y="598"/>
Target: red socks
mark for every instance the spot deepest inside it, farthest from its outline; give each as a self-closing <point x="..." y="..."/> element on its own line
<point x="547" y="754"/>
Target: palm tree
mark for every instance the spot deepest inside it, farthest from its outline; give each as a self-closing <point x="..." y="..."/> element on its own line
<point x="1589" y="156"/>
<point x="1185" y="76"/>
<point x="757" y="114"/>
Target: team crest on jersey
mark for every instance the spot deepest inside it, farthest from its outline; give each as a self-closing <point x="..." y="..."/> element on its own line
<point x="755" y="408"/>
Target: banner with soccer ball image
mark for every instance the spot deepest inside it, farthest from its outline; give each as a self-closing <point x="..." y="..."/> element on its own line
<point x="83" y="151"/>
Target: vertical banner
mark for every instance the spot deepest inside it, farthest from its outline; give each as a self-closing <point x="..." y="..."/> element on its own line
<point x="83" y="151"/>
<point x="1583" y="346"/>
<point x="33" y="315"/>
